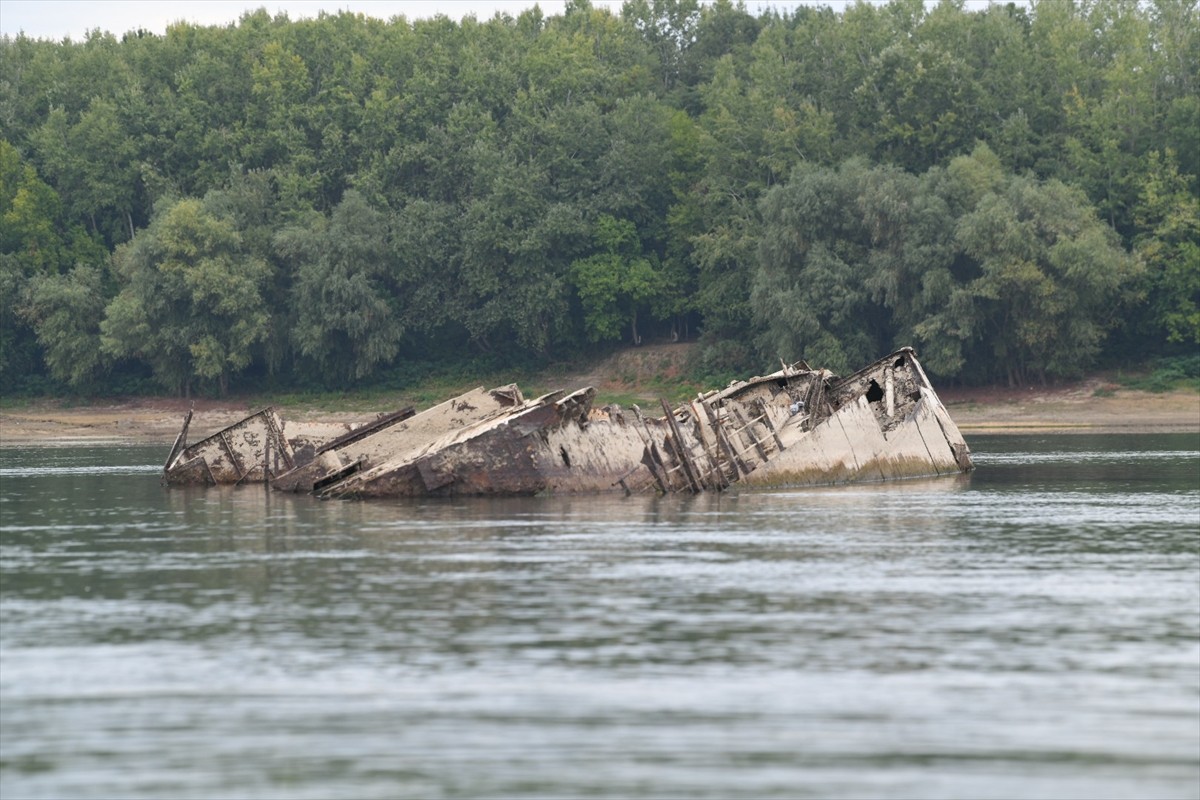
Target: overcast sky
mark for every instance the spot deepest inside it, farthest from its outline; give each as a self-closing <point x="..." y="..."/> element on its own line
<point x="56" y="19"/>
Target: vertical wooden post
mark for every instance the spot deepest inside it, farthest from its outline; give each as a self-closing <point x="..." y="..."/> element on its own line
<point x="681" y="449"/>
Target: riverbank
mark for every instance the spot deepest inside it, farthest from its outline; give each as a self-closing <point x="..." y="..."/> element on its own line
<point x="1092" y="406"/>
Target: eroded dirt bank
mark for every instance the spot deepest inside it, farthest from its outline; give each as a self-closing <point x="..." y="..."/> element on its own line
<point x="1087" y="407"/>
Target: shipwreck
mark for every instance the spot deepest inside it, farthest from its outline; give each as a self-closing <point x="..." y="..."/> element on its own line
<point x="795" y="427"/>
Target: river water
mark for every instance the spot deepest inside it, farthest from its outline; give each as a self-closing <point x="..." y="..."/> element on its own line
<point x="1031" y="630"/>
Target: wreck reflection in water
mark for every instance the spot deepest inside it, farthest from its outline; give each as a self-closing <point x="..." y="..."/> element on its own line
<point x="1027" y="630"/>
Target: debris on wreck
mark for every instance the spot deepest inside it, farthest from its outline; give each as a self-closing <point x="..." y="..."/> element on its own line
<point x="795" y="427"/>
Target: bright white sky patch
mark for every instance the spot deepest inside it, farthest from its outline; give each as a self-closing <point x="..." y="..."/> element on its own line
<point x="59" y="19"/>
<point x="56" y="19"/>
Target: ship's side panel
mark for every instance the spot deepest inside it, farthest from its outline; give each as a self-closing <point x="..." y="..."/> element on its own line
<point x="825" y="454"/>
<point x="851" y="446"/>
<point x="248" y="451"/>
<point x="592" y="458"/>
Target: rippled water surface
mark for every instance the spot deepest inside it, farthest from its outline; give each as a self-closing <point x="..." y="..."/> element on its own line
<point x="1032" y="630"/>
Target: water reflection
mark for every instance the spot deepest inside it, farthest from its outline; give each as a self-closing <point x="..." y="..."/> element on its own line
<point x="1029" y="630"/>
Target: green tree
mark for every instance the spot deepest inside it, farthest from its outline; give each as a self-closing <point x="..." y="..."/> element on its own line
<point x="32" y="216"/>
<point x="191" y="300"/>
<point x="942" y="310"/>
<point x="1051" y="277"/>
<point x="911" y="260"/>
<point x="517" y="250"/>
<point x="66" y="311"/>
<point x="37" y="248"/>
<point x="924" y="97"/>
<point x="723" y="201"/>
<point x="276" y="129"/>
<point x="615" y="283"/>
<point x="989" y="273"/>
<point x="489" y="149"/>
<point x="347" y="323"/>
<point x="810" y="296"/>
<point x="1169" y="217"/>
<point x="426" y="258"/>
<point x="669" y="28"/>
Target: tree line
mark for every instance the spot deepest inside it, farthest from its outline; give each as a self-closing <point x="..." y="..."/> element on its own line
<point x="1012" y="190"/>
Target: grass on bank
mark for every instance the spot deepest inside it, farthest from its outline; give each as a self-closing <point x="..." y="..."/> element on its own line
<point x="1165" y="375"/>
<point x="436" y="388"/>
<point x="418" y="385"/>
<point x="423" y="385"/>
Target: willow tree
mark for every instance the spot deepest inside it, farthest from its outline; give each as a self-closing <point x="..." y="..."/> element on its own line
<point x="1052" y="278"/>
<point x="191" y="303"/>
<point x="991" y="274"/>
<point x="347" y="322"/>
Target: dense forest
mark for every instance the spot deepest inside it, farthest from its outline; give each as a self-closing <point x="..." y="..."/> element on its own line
<point x="341" y="200"/>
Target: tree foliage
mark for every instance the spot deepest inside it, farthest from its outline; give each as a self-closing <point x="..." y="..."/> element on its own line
<point x="1005" y="272"/>
<point x="616" y="282"/>
<point x="192" y="304"/>
<point x="1005" y="188"/>
<point x="345" y="322"/>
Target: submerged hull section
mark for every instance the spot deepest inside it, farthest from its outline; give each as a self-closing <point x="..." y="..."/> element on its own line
<point x="253" y="450"/>
<point x="794" y="427"/>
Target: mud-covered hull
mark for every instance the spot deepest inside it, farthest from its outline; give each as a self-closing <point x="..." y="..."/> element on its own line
<point x="253" y="450"/>
<point x="795" y="427"/>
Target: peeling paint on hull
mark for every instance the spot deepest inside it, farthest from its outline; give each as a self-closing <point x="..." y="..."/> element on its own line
<point x="794" y="427"/>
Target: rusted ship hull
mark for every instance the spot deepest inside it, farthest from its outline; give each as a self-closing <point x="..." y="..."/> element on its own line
<point x="250" y="451"/>
<point x="794" y="427"/>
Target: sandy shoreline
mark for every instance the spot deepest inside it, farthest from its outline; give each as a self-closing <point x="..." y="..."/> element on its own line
<point x="1079" y="408"/>
<point x="153" y="422"/>
<point x="1090" y="407"/>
